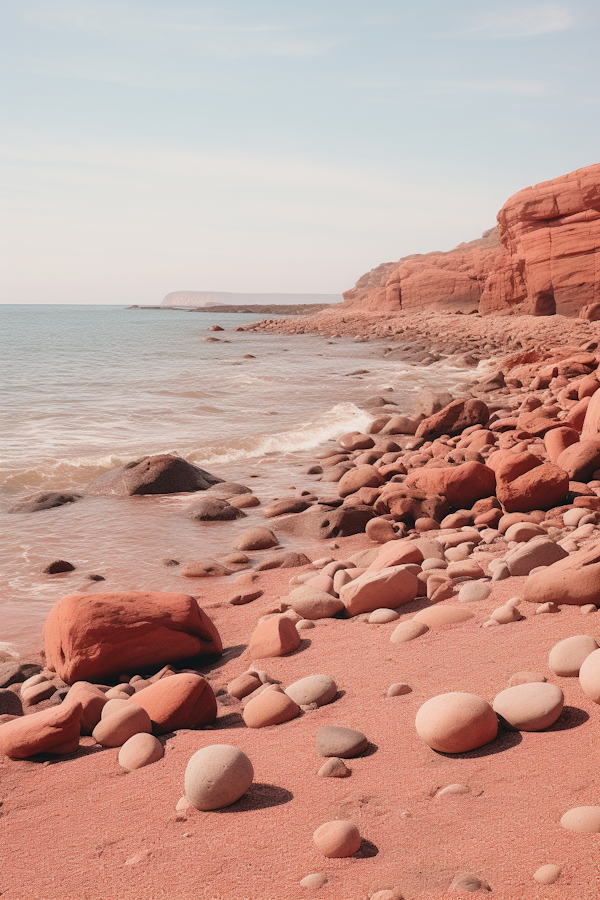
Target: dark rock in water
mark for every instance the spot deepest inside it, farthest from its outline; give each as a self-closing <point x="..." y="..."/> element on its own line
<point x="10" y="703"/>
<point x="212" y="509"/>
<point x="44" y="500"/>
<point x="227" y="489"/>
<point x="59" y="565"/>
<point x="170" y="562"/>
<point x="163" y="474"/>
<point x="287" y="505"/>
<point x="327" y="523"/>
<point x="289" y="560"/>
<point x="205" y="568"/>
<point x="15" y="672"/>
<point x="96" y="578"/>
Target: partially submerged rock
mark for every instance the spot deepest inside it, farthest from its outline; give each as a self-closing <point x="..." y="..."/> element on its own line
<point x="161" y="474"/>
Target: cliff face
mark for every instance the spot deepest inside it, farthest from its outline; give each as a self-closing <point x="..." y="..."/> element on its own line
<point x="542" y="258"/>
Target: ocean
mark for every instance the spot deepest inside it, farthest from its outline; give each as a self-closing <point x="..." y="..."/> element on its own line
<point x="88" y="388"/>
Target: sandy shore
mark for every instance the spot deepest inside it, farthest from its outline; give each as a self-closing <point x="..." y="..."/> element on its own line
<point x="82" y="827"/>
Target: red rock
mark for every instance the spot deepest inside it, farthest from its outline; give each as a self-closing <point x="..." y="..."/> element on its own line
<point x="542" y="259"/>
<point x="580" y="460"/>
<point x="54" y="730"/>
<point x="454" y="418"/>
<point x="558" y="439"/>
<point x="461" y="485"/>
<point x="88" y="637"/>
<point x="591" y="423"/>
<point x="272" y="707"/>
<point x="355" y="440"/>
<point x="388" y="587"/>
<point x="574" y="580"/>
<point x="276" y="636"/>
<point x="541" y="487"/>
<point x="181" y="701"/>
<point x="337" y="839"/>
<point x="163" y="474"/>
<point x="575" y="418"/>
<point x="92" y="701"/>
<point x="359" y="477"/>
<point x="456" y="722"/>
<point x="396" y="553"/>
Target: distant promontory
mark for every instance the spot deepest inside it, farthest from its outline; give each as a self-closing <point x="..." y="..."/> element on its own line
<point x="212" y="299"/>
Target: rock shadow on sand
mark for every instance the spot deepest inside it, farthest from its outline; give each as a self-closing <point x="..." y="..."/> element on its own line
<point x="506" y="740"/>
<point x="366" y="850"/>
<point x="259" y="796"/>
<point x="570" y="717"/>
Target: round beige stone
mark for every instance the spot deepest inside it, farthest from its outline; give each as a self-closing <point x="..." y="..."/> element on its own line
<point x="434" y="616"/>
<point x="117" y="728"/>
<point x="383" y="616"/>
<point x="408" y="631"/>
<point x="319" y="689"/>
<point x="547" y="874"/>
<point x="456" y="722"/>
<point x="589" y="676"/>
<point x="506" y="614"/>
<point x="139" y="751"/>
<point x="529" y="707"/>
<point x="113" y="706"/>
<point x="337" y="839"/>
<point x="217" y="776"/>
<point x="566" y="657"/>
<point x="585" y="819"/>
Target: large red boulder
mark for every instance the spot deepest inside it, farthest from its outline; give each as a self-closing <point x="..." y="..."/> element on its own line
<point x="181" y="701"/>
<point x="54" y="730"/>
<point x="88" y="637"/>
<point x="558" y="440"/>
<point x="581" y="459"/>
<point x="461" y="485"/>
<point x="574" y="581"/>
<point x="541" y="487"/>
<point x="454" y="418"/>
<point x="163" y="474"/>
<point x="591" y="423"/>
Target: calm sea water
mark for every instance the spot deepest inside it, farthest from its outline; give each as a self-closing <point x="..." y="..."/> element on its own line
<point x="87" y="388"/>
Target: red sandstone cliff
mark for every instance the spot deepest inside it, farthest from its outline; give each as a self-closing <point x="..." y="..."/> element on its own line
<point x="542" y="258"/>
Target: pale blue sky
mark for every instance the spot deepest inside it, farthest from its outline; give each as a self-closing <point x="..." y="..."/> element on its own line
<point x="153" y="146"/>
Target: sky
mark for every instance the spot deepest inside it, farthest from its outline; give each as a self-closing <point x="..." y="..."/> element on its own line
<point x="152" y="146"/>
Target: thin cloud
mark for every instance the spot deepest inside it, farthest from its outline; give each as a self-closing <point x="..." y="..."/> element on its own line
<point x="542" y="18"/>
<point x="195" y="29"/>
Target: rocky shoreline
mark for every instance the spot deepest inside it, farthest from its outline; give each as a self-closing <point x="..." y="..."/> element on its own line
<point x="459" y="562"/>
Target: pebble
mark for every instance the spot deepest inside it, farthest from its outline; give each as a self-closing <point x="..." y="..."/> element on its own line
<point x="383" y="616"/>
<point x="337" y="839"/>
<point x="529" y="707"/>
<point x="314" y="881"/>
<point x="585" y="819"/>
<point x="456" y="722"/>
<point x="38" y="692"/>
<point x="588" y="608"/>
<point x="117" y="728"/>
<point x="304" y="624"/>
<point x="243" y="685"/>
<point x="398" y="689"/>
<point x="336" y="740"/>
<point x="139" y="751"/>
<point x="547" y="874"/>
<point x="271" y="707"/>
<point x="474" y="591"/>
<point x="216" y="776"/>
<point x="506" y="614"/>
<point x="257" y="538"/>
<point x="319" y="689"/>
<point x="334" y="768"/>
<point x="113" y="706"/>
<point x="501" y="572"/>
<point x="454" y="790"/>
<point x="567" y="656"/>
<point x="310" y="602"/>
<point x="549" y="607"/>
<point x="30" y="682"/>
<point x="589" y="676"/>
<point x="526" y="677"/>
<point x="435" y="616"/>
<point x="408" y="631"/>
<point x="117" y="694"/>
<point x="467" y="881"/>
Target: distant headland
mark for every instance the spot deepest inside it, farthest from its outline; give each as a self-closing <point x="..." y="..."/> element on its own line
<point x="225" y="298"/>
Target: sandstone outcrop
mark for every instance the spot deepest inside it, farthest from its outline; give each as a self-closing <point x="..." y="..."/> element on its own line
<point x="541" y="259"/>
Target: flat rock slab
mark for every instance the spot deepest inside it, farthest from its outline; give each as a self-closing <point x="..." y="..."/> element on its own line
<point x="345" y="743"/>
